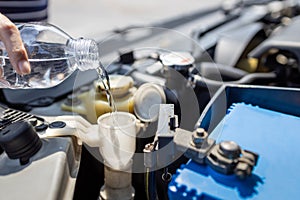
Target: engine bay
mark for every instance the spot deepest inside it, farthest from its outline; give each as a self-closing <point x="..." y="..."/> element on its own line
<point x="188" y="88"/>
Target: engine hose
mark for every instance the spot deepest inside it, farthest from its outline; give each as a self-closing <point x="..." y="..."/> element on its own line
<point x="208" y="69"/>
<point x="214" y="85"/>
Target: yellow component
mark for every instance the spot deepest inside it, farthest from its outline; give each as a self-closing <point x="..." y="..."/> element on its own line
<point x="249" y="65"/>
<point x="94" y="102"/>
<point x="80" y="109"/>
<point x="122" y="104"/>
<point x="119" y="85"/>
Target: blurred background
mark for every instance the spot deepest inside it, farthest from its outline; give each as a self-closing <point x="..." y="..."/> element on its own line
<point x="94" y="18"/>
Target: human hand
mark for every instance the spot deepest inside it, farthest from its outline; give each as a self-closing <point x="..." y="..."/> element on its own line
<point x="10" y="36"/>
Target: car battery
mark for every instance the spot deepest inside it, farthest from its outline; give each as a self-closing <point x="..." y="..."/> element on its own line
<point x="265" y="124"/>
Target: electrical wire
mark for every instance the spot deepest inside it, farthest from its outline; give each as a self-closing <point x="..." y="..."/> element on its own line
<point x="150" y="184"/>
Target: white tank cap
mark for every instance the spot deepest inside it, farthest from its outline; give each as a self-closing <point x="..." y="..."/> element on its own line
<point x="147" y="99"/>
<point x="177" y="58"/>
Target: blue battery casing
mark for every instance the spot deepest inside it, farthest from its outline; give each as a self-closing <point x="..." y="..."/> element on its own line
<point x="273" y="135"/>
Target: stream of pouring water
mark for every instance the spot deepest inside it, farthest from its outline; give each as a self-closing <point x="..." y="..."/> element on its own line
<point x="104" y="79"/>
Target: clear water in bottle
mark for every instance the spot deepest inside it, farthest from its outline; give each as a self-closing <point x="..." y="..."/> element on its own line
<point x="53" y="56"/>
<point x="44" y="73"/>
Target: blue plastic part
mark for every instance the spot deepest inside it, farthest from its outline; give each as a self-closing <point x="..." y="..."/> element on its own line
<point x="272" y="135"/>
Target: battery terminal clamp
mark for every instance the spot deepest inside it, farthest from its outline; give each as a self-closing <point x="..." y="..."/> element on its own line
<point x="226" y="157"/>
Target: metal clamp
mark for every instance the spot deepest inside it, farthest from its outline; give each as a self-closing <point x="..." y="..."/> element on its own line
<point x="227" y="157"/>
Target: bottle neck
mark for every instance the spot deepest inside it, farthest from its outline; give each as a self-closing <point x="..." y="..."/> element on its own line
<point x="86" y="53"/>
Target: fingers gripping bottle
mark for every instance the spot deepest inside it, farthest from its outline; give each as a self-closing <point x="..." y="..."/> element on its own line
<point x="53" y="55"/>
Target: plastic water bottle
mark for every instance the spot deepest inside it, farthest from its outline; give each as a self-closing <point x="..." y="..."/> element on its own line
<point x="53" y="56"/>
